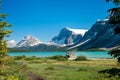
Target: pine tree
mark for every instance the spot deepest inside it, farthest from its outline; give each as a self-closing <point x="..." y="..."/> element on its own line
<point x="3" y="45"/>
<point x="3" y="32"/>
<point x="115" y="16"/>
<point x="116" y="2"/>
<point x="115" y="20"/>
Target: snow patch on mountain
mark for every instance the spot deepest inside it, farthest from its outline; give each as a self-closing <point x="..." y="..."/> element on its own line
<point x="79" y="44"/>
<point x="77" y="31"/>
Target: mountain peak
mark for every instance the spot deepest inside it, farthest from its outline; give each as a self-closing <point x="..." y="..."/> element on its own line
<point x="28" y="37"/>
<point x="28" y="40"/>
<point x="69" y="36"/>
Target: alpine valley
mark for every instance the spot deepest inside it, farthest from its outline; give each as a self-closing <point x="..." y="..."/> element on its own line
<point x="99" y="36"/>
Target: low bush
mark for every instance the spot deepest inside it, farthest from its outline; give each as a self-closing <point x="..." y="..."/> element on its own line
<point x="59" y="58"/>
<point x="30" y="58"/>
<point x="19" y="57"/>
<point x="23" y="57"/>
<point x="82" y="69"/>
<point x="50" y="68"/>
<point x="81" y="58"/>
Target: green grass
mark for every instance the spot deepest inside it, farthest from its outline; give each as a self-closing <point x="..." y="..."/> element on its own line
<point x="32" y="68"/>
<point x="71" y="70"/>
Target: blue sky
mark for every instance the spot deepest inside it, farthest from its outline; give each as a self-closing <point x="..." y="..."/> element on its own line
<point x="45" y="18"/>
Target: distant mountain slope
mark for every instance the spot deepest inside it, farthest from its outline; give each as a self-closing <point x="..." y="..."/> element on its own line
<point x="68" y="36"/>
<point x="101" y="35"/>
<point x="28" y="41"/>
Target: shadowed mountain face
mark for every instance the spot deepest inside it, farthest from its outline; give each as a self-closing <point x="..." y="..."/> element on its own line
<point x="101" y="35"/>
<point x="68" y="36"/>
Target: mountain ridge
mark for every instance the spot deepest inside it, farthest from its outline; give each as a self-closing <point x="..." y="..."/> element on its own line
<point x="100" y="35"/>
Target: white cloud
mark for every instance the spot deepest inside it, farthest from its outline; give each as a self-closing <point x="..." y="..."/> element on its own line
<point x="11" y="43"/>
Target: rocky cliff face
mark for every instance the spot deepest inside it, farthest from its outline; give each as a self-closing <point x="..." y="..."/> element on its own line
<point x="101" y="35"/>
<point x="68" y="36"/>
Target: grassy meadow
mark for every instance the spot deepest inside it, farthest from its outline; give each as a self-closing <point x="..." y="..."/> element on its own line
<point x="62" y="69"/>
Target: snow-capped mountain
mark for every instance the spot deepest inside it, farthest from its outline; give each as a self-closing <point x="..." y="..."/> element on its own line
<point x="11" y="43"/>
<point x="101" y="35"/>
<point x="69" y="36"/>
<point x="28" y="41"/>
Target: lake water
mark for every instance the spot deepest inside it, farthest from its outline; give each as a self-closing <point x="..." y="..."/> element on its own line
<point x="48" y="54"/>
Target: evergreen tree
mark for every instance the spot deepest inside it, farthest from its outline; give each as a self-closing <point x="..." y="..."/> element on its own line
<point x="115" y="20"/>
<point x="4" y="60"/>
<point x="116" y="2"/>
<point x="115" y="15"/>
<point x="3" y="32"/>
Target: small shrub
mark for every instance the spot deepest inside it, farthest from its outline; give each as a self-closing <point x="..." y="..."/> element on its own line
<point x="30" y="58"/>
<point x="59" y="58"/>
<point x="50" y="68"/>
<point x="105" y="76"/>
<point x="82" y="69"/>
<point x="81" y="58"/>
<point x="20" y="57"/>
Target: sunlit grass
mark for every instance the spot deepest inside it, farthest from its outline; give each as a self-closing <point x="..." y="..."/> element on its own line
<point x="70" y="70"/>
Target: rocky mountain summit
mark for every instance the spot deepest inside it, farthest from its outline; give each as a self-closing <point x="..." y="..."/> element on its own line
<point x="28" y="40"/>
<point x="69" y="36"/>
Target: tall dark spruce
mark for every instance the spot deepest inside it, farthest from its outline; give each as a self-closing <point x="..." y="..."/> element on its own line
<point x="115" y="20"/>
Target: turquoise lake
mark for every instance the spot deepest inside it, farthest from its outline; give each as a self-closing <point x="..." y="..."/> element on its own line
<point x="48" y="54"/>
